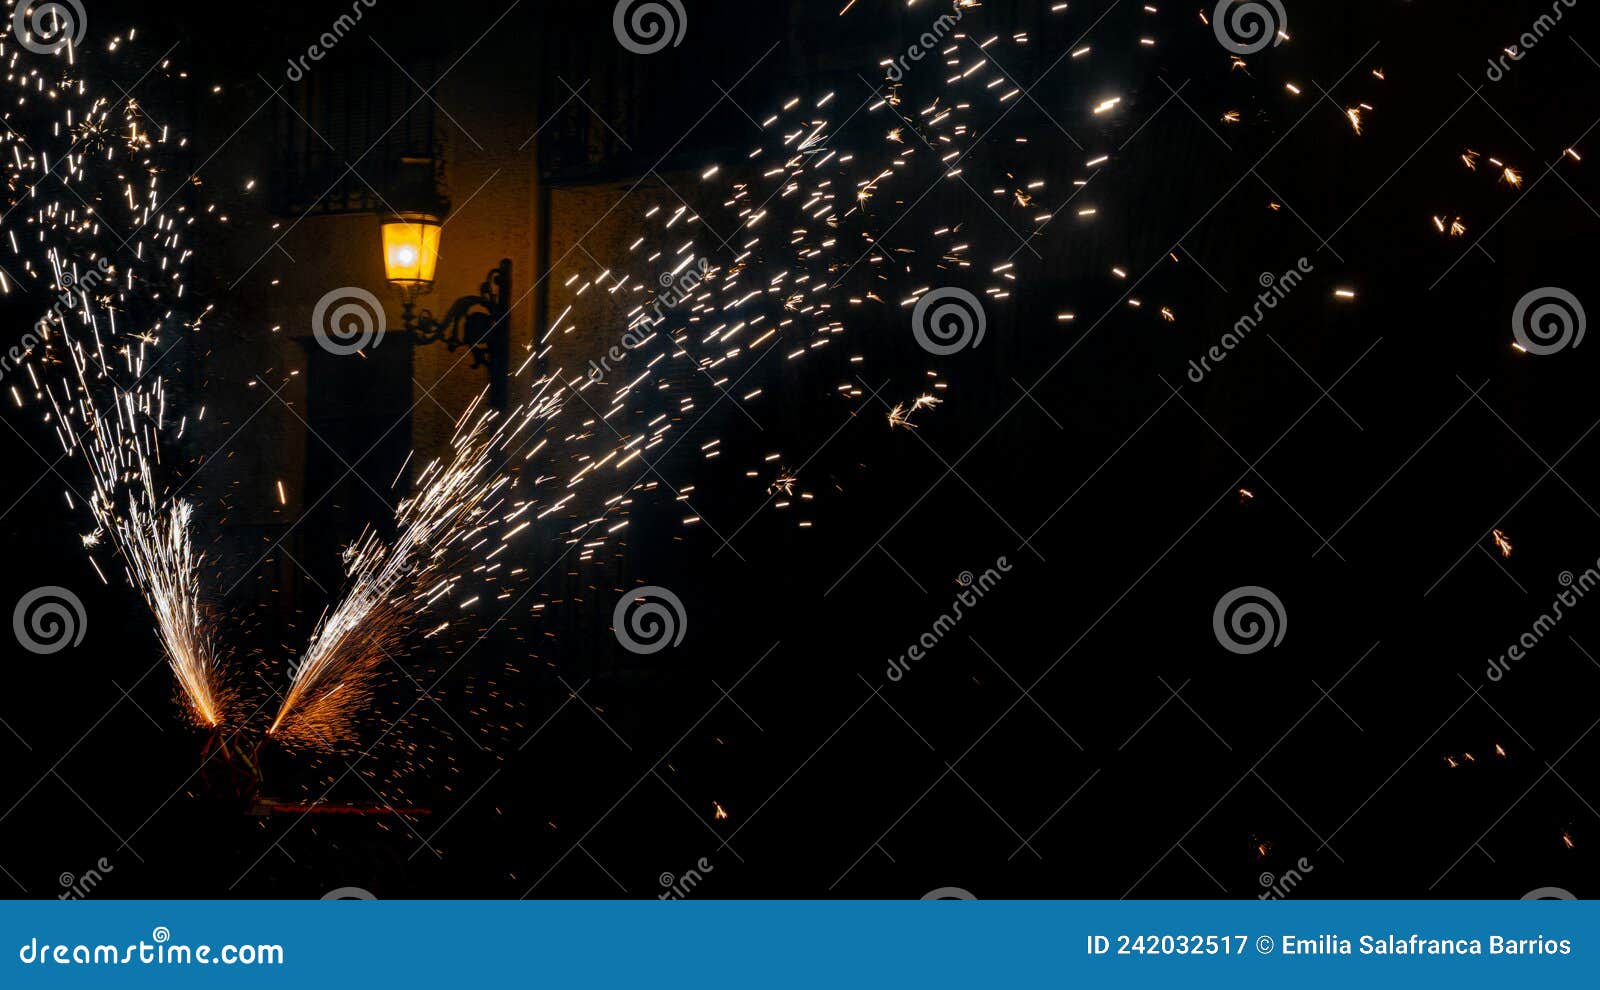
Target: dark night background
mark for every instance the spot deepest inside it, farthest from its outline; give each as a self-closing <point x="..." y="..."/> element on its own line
<point x="1143" y="760"/>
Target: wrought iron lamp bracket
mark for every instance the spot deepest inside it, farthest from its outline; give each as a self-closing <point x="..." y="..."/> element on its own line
<point x="470" y="322"/>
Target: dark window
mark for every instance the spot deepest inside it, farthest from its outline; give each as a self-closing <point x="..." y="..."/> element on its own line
<point x="346" y="132"/>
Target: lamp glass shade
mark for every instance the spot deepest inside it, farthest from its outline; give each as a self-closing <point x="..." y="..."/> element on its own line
<point x="411" y="251"/>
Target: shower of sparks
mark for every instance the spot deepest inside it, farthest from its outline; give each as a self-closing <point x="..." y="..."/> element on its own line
<point x="900" y="415"/>
<point x="800" y="240"/>
<point x="705" y="298"/>
<point x="783" y="484"/>
<point x="803" y="211"/>
<point x="154" y="539"/>
<point x="92" y="358"/>
<point x="391" y="585"/>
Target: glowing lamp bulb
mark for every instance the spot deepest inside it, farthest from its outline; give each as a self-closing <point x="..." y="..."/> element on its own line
<point x="411" y="251"/>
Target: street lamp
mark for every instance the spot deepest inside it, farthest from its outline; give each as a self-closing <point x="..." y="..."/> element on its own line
<point x="411" y="252"/>
<point x="479" y="322"/>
